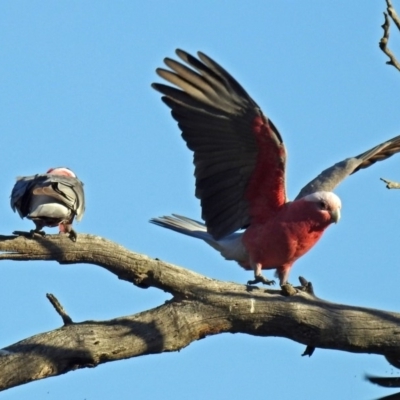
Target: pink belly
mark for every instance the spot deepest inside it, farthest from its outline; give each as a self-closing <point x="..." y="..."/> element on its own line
<point x="275" y="245"/>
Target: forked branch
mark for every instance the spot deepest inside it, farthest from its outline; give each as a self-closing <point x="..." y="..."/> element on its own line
<point x="199" y="307"/>
<point x="383" y="43"/>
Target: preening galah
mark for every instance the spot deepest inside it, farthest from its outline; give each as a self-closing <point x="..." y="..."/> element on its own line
<point x="239" y="159"/>
<point x="51" y="199"/>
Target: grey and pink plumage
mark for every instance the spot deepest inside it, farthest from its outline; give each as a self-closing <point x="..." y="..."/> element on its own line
<point x="240" y="162"/>
<point x="239" y="158"/>
<point x="52" y="199"/>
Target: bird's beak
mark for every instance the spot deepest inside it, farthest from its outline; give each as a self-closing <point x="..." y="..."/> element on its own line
<point x="335" y="215"/>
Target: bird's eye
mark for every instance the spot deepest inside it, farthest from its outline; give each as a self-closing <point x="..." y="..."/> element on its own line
<point x="323" y="205"/>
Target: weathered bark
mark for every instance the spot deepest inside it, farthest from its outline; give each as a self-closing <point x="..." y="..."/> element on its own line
<point x="390" y="14"/>
<point x="199" y="307"/>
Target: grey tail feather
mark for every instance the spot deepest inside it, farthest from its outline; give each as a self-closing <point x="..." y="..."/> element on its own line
<point x="184" y="225"/>
<point x="230" y="247"/>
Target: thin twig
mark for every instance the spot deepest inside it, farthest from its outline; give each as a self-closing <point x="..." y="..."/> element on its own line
<point x="383" y="43"/>
<point x="60" y="309"/>
<point x="391" y="184"/>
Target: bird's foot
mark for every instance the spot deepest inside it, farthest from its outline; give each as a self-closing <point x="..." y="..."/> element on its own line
<point x="66" y="227"/>
<point x="306" y="286"/>
<point x="261" y="279"/>
<point x="30" y="234"/>
<point x="38" y="231"/>
<point x="73" y="235"/>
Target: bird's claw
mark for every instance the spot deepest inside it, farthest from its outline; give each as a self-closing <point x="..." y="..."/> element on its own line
<point x="73" y="235"/>
<point x="261" y="279"/>
<point x="30" y="234"/>
<point x="41" y="233"/>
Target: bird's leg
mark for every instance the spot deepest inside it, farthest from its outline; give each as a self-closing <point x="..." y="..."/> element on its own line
<point x="283" y="274"/>
<point x="39" y="225"/>
<point x="258" y="276"/>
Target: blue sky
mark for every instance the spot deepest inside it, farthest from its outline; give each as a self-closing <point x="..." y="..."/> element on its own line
<point x="75" y="90"/>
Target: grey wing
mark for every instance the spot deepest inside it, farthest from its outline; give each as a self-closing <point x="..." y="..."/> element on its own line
<point x="81" y="200"/>
<point x="223" y="125"/>
<point x="19" y="199"/>
<point x="328" y="179"/>
<point x="67" y="190"/>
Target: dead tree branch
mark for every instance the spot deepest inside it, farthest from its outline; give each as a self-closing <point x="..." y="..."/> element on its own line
<point x="199" y="307"/>
<point x="59" y="309"/>
<point x="391" y="184"/>
<point x="383" y="43"/>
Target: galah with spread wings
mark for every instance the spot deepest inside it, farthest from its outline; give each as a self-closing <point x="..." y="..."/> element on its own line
<point x="239" y="159"/>
<point x="51" y="199"/>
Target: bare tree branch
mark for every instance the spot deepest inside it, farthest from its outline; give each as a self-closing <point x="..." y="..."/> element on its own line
<point x="132" y="267"/>
<point x="383" y="44"/>
<point x="59" y="309"/>
<point x="391" y="184"/>
<point x="389" y="382"/>
<point x="393" y="14"/>
<point x="384" y="381"/>
<point x="199" y="307"/>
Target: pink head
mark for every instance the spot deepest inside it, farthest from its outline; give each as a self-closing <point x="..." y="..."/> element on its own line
<point x="61" y="171"/>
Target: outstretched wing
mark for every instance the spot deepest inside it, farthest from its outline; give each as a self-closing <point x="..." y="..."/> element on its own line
<point x="239" y="155"/>
<point x="327" y="180"/>
<point x="65" y="190"/>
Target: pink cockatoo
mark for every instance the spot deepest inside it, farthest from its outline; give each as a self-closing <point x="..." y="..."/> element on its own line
<point x="239" y="159"/>
<point x="51" y="199"/>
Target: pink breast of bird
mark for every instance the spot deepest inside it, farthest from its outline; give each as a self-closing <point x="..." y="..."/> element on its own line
<point x="287" y="236"/>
